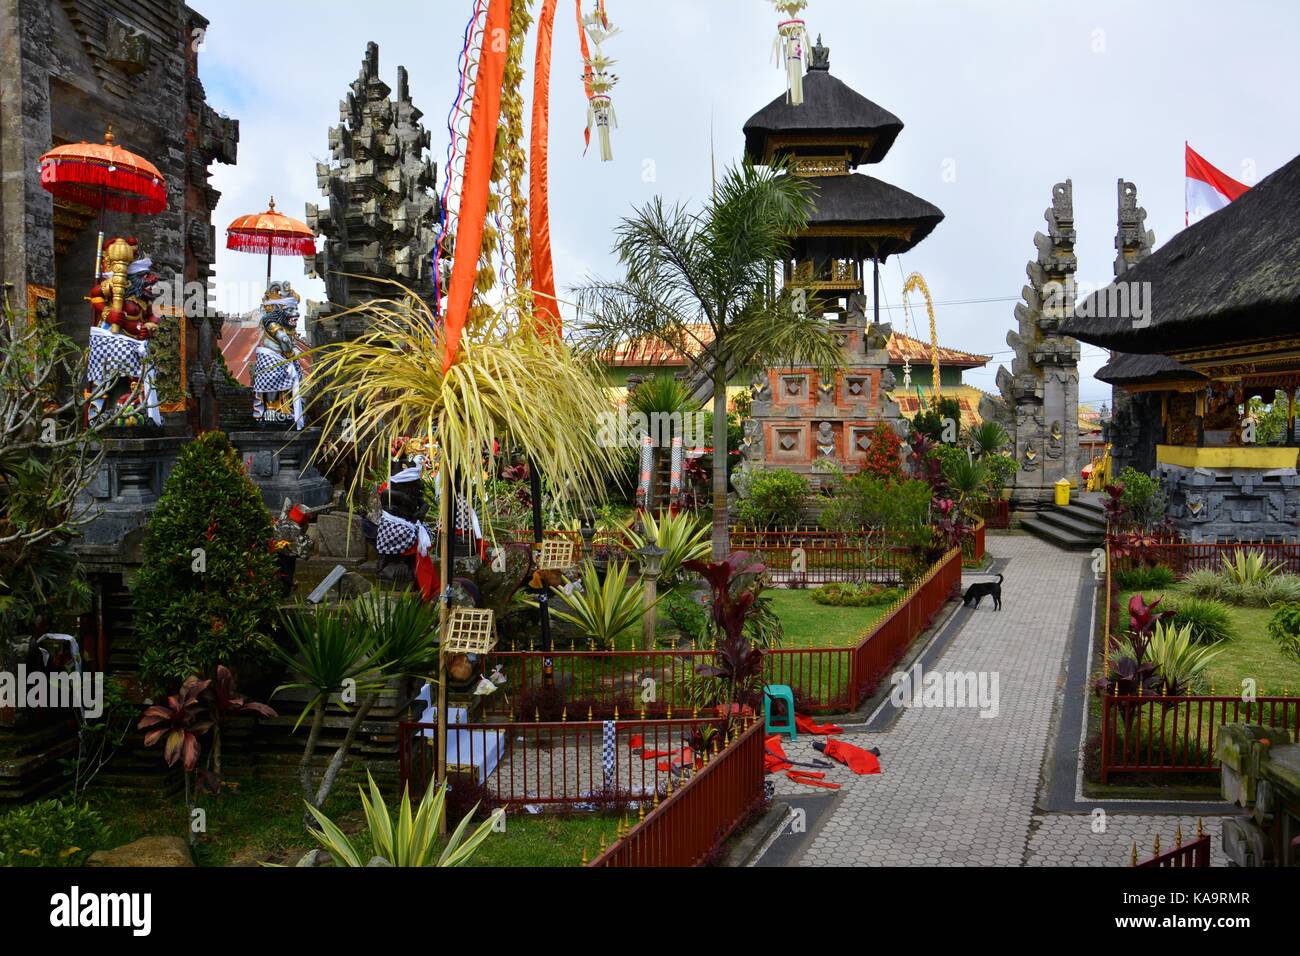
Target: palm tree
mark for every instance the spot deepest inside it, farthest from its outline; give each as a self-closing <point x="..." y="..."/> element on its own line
<point x="702" y="283"/>
<point x="987" y="438"/>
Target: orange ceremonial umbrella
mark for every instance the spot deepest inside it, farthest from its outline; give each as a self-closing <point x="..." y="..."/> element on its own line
<point x="273" y="233"/>
<point x="103" y="176"/>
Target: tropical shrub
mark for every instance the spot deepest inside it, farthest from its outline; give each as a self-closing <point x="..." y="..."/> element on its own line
<point x="967" y="482"/>
<point x="776" y="499"/>
<point x="410" y="839"/>
<point x="855" y="595"/>
<point x="987" y="439"/>
<point x="684" y="536"/>
<point x="1205" y="584"/>
<point x="763" y="625"/>
<point x="933" y="423"/>
<point x="734" y="583"/>
<point x="1247" y="567"/>
<point x="1179" y="661"/>
<point x="884" y="457"/>
<point x="1210" y="621"/>
<point x="50" y="833"/>
<point x="1280" y="589"/>
<point x="1001" y="469"/>
<point x="207" y="590"/>
<point x="1142" y="498"/>
<point x="1284" y="628"/>
<point x="686" y="613"/>
<point x="867" y="502"/>
<point x="1145" y="578"/>
<point x="604" y="610"/>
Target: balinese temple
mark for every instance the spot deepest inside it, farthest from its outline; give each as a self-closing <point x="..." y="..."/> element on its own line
<point x="1224" y="296"/>
<point x="799" y="421"/>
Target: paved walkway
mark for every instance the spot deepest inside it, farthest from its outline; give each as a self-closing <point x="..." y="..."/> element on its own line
<point x="960" y="789"/>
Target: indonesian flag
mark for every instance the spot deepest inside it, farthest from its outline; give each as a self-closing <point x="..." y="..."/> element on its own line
<point x="1208" y="189"/>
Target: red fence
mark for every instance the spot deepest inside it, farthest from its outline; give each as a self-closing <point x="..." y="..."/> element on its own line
<point x="972" y="545"/>
<point x="603" y="763"/>
<point x="1145" y="734"/>
<point x="550" y="686"/>
<point x="1194" y="854"/>
<point x="698" y="816"/>
<point x="996" y="513"/>
<point x="1184" y="557"/>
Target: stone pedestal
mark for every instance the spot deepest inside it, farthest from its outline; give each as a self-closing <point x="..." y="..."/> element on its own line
<point x="121" y="497"/>
<point x="278" y="462"/>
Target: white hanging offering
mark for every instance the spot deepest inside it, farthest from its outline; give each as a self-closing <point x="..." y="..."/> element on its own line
<point x="600" y="105"/>
<point x="791" y="47"/>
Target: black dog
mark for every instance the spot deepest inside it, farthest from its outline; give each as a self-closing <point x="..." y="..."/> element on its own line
<point x="976" y="592"/>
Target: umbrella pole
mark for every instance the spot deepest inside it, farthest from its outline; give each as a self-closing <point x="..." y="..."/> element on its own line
<point x="99" y="244"/>
<point x="444" y="615"/>
<point x="268" y="267"/>
<point x="543" y="598"/>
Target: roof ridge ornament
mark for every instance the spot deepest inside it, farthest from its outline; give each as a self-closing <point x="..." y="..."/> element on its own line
<point x="820" y="58"/>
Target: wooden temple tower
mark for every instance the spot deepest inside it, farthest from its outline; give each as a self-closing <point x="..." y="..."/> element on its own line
<point x="800" y="421"/>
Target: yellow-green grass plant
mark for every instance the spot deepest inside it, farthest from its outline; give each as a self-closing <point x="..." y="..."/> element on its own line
<point x="603" y="610"/>
<point x="683" y="536"/>
<point x="508" y="385"/>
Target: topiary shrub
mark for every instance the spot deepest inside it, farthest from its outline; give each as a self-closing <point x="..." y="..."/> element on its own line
<point x="884" y="458"/>
<point x="1210" y="621"/>
<point x="50" y="833"/>
<point x="855" y="595"/>
<point x="1284" y="628"/>
<point x="776" y="499"/>
<point x="208" y="587"/>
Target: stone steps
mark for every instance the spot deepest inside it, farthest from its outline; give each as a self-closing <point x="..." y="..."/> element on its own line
<point x="1080" y="526"/>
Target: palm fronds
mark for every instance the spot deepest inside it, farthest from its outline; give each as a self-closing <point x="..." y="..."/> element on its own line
<point x="683" y="536"/>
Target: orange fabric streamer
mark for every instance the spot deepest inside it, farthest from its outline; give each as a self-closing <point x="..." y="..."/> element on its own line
<point x="478" y="174"/>
<point x="545" y="307"/>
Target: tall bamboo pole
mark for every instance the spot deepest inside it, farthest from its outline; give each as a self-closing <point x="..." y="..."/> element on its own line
<point x="444" y="616"/>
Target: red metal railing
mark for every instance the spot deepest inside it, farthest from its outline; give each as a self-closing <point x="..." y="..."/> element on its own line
<point x="1184" y="557"/>
<point x="996" y="513"/>
<point x="560" y="762"/>
<point x="1145" y="734"/>
<point x="596" y="684"/>
<point x="1195" y="854"/>
<point x="698" y="816"/>
<point x="972" y="544"/>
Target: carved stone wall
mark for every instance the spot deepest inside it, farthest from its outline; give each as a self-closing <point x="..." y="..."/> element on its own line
<point x="1134" y="428"/>
<point x="382" y="218"/>
<point x="1041" y="392"/>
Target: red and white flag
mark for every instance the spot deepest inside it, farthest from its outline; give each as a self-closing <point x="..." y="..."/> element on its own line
<point x="1208" y="189"/>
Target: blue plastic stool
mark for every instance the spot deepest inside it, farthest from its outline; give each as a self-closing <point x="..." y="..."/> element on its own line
<point x="773" y="692"/>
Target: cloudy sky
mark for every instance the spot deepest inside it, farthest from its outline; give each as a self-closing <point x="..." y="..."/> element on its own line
<point x="999" y="99"/>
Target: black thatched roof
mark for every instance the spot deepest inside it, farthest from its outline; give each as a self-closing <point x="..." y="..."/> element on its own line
<point x="855" y="199"/>
<point x="829" y="109"/>
<point x="1233" y="277"/>
<point x="1127" y="368"/>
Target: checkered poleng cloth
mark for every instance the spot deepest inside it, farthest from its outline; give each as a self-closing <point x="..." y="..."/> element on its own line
<point x="112" y="355"/>
<point x="396" y="535"/>
<point x="272" y="372"/>
<point x="608" y="745"/>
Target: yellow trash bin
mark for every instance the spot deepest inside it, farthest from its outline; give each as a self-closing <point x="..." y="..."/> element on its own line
<point x="1063" y="492"/>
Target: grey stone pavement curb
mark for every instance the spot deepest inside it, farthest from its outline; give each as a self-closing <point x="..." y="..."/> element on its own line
<point x="959" y="789"/>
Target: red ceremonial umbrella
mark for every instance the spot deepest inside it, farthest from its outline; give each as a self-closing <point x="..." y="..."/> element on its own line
<point x="103" y="176"/>
<point x="273" y="233"/>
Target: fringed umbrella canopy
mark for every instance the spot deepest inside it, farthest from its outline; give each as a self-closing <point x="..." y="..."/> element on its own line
<point x="271" y="232"/>
<point x="104" y="176"/>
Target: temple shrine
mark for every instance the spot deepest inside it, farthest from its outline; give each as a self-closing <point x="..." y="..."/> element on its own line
<point x="800" y="422"/>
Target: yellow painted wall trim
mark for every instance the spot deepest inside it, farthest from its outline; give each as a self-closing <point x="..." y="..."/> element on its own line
<point x="1249" y="456"/>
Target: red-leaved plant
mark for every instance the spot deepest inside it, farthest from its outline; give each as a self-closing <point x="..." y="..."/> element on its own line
<point x="734" y="583"/>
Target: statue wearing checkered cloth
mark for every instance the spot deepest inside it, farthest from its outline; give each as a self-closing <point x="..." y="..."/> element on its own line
<point x="277" y="369"/>
<point x="119" y="377"/>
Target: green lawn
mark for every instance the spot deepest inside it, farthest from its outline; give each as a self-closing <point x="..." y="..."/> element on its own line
<point x="1252" y="654"/>
<point x="547" y="839"/>
<point x="809" y="624"/>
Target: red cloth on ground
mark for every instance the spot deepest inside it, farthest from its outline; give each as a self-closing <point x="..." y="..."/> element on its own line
<point x="774" y="758"/>
<point x="804" y="724"/>
<point x="855" y="758"/>
<point x="811" y="779"/>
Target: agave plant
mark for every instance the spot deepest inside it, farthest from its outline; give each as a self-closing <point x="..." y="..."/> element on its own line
<point x="410" y="839"/>
<point x="683" y="536"/>
<point x="1179" y="661"/>
<point x="1247" y="568"/>
<point x="603" y="610"/>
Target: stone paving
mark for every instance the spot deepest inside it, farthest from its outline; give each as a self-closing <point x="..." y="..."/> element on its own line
<point x="959" y="789"/>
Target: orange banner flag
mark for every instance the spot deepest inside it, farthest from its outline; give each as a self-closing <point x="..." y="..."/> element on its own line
<point x="545" y="307"/>
<point x="478" y="174"/>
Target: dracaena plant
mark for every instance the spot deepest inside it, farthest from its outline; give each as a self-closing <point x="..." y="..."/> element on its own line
<point x="734" y="584"/>
<point x="223" y="701"/>
<point x="178" y="723"/>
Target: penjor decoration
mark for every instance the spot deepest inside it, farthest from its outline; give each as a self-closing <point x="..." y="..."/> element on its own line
<point x="277" y="367"/>
<point x="791" y="46"/>
<point x="599" y="80"/>
<point x="119" y="378"/>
